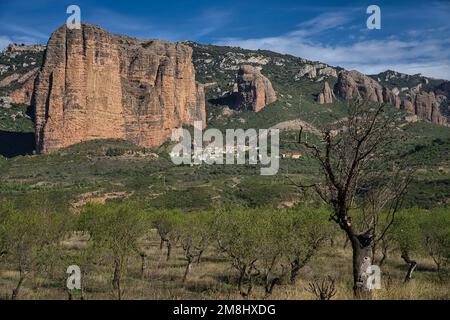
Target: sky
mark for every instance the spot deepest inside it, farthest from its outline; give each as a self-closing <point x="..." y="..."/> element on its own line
<point x="414" y="35"/>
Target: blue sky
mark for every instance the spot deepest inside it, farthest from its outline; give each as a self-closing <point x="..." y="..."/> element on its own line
<point x="414" y="35"/>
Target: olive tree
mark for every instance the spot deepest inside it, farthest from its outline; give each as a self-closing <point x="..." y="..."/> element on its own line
<point x="435" y="231"/>
<point x="237" y="237"/>
<point x="194" y="230"/>
<point x="115" y="230"/>
<point x="309" y="229"/>
<point x="30" y="238"/>
<point x="406" y="233"/>
<point x="268" y="246"/>
<point x="164" y="221"/>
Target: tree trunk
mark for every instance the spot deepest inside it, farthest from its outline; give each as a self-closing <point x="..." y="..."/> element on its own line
<point x="384" y="251"/>
<point x="116" y="279"/>
<point x="295" y="268"/>
<point x="119" y="290"/>
<point x="362" y="260"/>
<point x="297" y="264"/>
<point x="169" y="250"/>
<point x="199" y="257"/>
<point x="270" y="284"/>
<point x="82" y="285"/>
<point x="186" y="271"/>
<point x="374" y="252"/>
<point x="245" y="293"/>
<point x="16" y="291"/>
<point x="412" y="265"/>
<point x="143" y="264"/>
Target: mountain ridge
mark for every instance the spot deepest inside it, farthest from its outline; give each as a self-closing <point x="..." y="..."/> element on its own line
<point x="217" y="67"/>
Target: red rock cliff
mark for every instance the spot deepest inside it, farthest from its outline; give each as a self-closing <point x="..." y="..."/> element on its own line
<point x="95" y="85"/>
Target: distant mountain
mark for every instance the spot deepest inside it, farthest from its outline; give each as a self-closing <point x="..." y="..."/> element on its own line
<point x="300" y="86"/>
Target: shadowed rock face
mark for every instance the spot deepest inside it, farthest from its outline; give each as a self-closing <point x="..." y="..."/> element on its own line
<point x="95" y="85"/>
<point x="251" y="91"/>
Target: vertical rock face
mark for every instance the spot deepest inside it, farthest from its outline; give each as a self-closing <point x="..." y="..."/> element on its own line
<point x="391" y="97"/>
<point x="352" y="84"/>
<point x="23" y="94"/>
<point x="201" y="103"/>
<point x="425" y="106"/>
<point x="94" y="85"/>
<point x="254" y="90"/>
<point x="326" y="96"/>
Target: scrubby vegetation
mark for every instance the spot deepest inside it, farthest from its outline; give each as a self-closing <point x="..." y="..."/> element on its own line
<point x="140" y="227"/>
<point x="127" y="250"/>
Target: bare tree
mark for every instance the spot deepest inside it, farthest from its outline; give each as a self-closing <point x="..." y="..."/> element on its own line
<point x="324" y="289"/>
<point x="360" y="174"/>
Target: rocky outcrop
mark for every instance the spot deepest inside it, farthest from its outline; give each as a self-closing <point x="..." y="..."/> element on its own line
<point x="23" y="94"/>
<point x="18" y="74"/>
<point x="314" y="71"/>
<point x="425" y="106"/>
<point x="201" y="103"/>
<point x="14" y="49"/>
<point x="95" y="85"/>
<point x="391" y="97"/>
<point x="355" y="85"/>
<point x="254" y="90"/>
<point x="251" y="91"/>
<point x="327" y="95"/>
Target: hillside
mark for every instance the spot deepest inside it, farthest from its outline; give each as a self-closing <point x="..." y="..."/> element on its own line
<point x="117" y="169"/>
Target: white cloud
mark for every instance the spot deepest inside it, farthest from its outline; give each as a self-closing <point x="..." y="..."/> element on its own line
<point x="431" y="57"/>
<point x="25" y="31"/>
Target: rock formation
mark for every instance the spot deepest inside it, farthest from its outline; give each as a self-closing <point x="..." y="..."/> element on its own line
<point x="251" y="91"/>
<point x="314" y="71"/>
<point x="25" y="92"/>
<point x="254" y="90"/>
<point x="425" y="106"/>
<point x="353" y="84"/>
<point x="327" y="95"/>
<point x="95" y="85"/>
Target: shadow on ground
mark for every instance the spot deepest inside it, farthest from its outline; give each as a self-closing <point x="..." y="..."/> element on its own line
<point x="14" y="144"/>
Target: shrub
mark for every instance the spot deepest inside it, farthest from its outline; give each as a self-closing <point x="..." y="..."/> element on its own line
<point x="115" y="230"/>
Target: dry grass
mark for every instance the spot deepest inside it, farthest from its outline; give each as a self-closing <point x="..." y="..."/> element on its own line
<point x="214" y="278"/>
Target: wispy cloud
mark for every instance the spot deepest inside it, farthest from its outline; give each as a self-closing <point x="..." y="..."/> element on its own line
<point x="323" y="22"/>
<point x="24" y="32"/>
<point x="210" y="20"/>
<point x="428" y="55"/>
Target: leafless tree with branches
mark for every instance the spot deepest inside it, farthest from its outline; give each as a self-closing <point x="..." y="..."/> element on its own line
<point x="362" y="177"/>
<point x="324" y="289"/>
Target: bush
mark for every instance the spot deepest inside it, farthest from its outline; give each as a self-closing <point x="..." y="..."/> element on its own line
<point x="30" y="238"/>
<point x="435" y="232"/>
<point x="115" y="152"/>
<point x="115" y="230"/>
<point x="265" y="246"/>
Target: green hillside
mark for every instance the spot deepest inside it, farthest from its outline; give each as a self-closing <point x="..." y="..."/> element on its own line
<point x="116" y="169"/>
